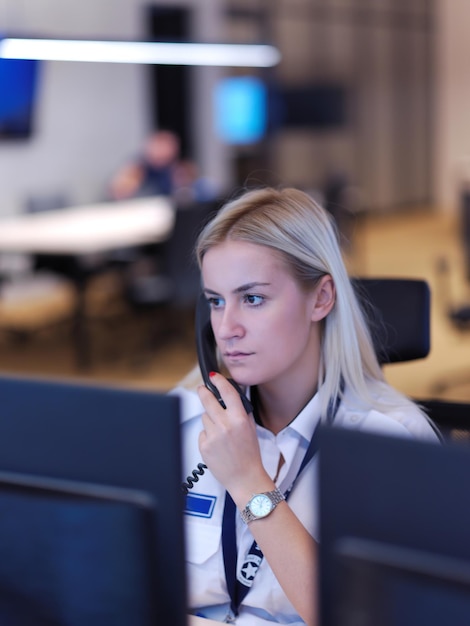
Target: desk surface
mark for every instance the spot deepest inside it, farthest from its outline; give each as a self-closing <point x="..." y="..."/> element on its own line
<point x="89" y="229"/>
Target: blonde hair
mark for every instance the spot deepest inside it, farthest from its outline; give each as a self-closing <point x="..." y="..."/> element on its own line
<point x="292" y="223"/>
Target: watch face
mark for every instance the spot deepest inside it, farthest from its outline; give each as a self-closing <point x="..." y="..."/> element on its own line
<point x="261" y="505"/>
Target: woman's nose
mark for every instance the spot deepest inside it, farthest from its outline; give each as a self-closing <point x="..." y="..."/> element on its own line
<point x="229" y="325"/>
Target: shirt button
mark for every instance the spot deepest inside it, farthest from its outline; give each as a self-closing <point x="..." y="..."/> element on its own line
<point x="354" y="418"/>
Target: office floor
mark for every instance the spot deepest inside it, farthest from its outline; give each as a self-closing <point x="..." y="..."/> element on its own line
<point x="406" y="244"/>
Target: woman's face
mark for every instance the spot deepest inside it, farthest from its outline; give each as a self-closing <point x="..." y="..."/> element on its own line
<point x="264" y="323"/>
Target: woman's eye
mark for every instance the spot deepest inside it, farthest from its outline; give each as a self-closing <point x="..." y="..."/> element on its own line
<point x="254" y="300"/>
<point x="214" y="302"/>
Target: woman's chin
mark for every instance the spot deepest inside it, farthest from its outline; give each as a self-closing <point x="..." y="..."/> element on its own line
<point x="244" y="381"/>
<point x="242" y="377"/>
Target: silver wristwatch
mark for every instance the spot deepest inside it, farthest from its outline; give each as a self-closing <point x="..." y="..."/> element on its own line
<point x="261" y="505"/>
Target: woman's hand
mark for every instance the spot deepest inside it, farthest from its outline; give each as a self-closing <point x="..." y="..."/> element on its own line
<point x="228" y="443"/>
<point x="230" y="449"/>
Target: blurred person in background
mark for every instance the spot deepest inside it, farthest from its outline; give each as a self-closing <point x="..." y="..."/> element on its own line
<point x="160" y="170"/>
<point x="150" y="173"/>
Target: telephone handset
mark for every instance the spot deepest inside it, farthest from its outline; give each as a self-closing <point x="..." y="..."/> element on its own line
<point x="206" y="353"/>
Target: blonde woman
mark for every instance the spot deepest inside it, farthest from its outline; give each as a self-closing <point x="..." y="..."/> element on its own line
<point x="290" y="332"/>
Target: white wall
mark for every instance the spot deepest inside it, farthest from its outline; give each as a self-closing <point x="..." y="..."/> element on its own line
<point x="452" y="138"/>
<point x="91" y="117"/>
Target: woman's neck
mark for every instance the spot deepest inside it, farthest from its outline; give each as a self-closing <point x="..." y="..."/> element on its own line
<point x="277" y="407"/>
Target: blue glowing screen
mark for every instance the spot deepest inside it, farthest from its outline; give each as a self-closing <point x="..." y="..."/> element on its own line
<point x="240" y="114"/>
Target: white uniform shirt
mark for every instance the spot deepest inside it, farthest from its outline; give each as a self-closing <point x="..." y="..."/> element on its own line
<point x="265" y="601"/>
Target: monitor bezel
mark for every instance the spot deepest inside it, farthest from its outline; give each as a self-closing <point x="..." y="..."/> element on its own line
<point x="119" y="437"/>
<point x="399" y="491"/>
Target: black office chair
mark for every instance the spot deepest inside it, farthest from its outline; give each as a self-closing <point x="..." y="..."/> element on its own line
<point x="69" y="266"/>
<point x="341" y="202"/>
<point x="77" y="270"/>
<point x="171" y="288"/>
<point x="458" y="313"/>
<point x="38" y="281"/>
<point x="398" y="311"/>
<point x="456" y="307"/>
<point x="452" y="418"/>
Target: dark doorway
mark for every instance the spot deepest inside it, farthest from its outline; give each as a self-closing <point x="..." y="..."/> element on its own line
<point x="170" y="85"/>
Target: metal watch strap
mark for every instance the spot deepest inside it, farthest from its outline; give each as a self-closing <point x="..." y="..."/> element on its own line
<point x="275" y="496"/>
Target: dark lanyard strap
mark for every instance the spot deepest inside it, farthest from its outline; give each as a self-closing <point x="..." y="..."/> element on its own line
<point x="229" y="550"/>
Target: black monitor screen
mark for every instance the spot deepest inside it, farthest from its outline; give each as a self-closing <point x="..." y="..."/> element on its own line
<point x="106" y="436"/>
<point x="407" y="497"/>
<point x="18" y="93"/>
<point x="318" y="106"/>
<point x="384" y="584"/>
<point x="75" y="554"/>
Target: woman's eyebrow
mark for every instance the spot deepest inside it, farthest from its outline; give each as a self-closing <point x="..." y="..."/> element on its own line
<point x="242" y="289"/>
<point x="210" y="292"/>
<point x="250" y="286"/>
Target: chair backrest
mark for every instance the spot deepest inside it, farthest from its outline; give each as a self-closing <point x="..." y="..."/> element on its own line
<point x="179" y="260"/>
<point x="451" y="417"/>
<point x="399" y="312"/>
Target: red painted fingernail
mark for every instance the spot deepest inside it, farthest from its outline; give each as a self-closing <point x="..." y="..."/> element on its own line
<point x="211" y="374"/>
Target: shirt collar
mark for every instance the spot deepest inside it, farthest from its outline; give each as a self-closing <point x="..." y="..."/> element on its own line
<point x="306" y="421"/>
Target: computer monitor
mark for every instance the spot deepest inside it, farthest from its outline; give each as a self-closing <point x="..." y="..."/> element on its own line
<point x="379" y="583"/>
<point x="402" y="505"/>
<point x="75" y="554"/>
<point x="241" y="109"/>
<point x="316" y="106"/>
<point x="18" y="97"/>
<point x="115" y="437"/>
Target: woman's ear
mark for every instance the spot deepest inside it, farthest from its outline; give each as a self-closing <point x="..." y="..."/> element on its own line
<point x="324" y="298"/>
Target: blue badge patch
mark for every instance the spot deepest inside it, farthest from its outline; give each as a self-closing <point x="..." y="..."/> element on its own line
<point x="199" y="505"/>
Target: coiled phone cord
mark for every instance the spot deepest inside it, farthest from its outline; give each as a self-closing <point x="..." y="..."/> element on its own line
<point x="194" y="478"/>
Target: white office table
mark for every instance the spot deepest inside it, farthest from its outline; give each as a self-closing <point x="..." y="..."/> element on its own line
<point x="92" y="229"/>
<point x="89" y="229"/>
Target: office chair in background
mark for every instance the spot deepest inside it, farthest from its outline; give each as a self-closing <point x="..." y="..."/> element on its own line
<point x="398" y="311"/>
<point x="456" y="307"/>
<point x="341" y="200"/>
<point x="168" y="292"/>
<point x="77" y="271"/>
<point x="35" y="294"/>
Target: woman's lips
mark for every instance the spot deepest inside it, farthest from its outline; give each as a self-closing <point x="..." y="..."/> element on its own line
<point x="236" y="355"/>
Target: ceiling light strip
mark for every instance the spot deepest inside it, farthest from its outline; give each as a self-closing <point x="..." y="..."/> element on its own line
<point x="209" y="54"/>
